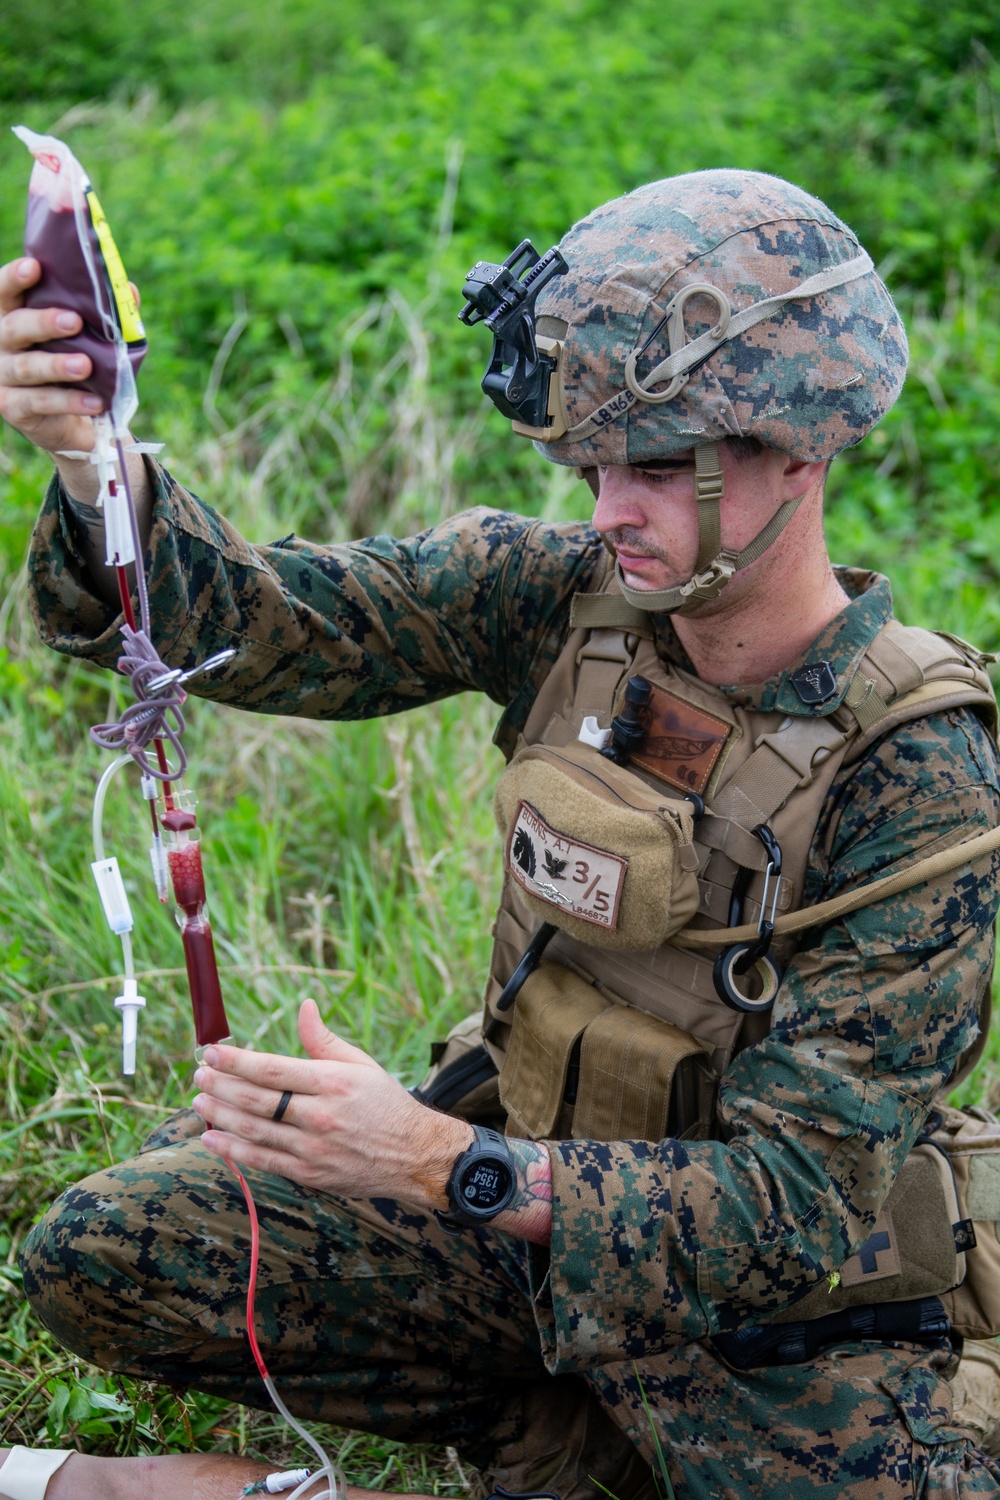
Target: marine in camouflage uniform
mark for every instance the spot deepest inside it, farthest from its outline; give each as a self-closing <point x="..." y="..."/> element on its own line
<point x="373" y="1315"/>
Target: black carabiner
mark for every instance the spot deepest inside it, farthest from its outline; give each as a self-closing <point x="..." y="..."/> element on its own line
<point x="742" y="957"/>
<point x="529" y="961"/>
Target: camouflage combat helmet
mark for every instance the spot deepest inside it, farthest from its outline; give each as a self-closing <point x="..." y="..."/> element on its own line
<point x="712" y="305"/>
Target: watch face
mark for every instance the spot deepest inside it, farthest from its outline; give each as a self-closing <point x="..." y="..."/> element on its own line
<point x="484" y="1184"/>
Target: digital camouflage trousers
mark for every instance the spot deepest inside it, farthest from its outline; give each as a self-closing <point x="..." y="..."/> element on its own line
<point x="372" y="1317"/>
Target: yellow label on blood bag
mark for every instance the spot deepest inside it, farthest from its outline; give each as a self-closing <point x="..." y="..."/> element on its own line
<point x="128" y="313"/>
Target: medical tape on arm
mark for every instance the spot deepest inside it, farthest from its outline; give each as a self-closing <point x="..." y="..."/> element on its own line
<point x="27" y="1471"/>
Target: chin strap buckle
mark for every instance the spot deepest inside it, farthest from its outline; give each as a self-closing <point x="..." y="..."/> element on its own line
<point x="709" y="583"/>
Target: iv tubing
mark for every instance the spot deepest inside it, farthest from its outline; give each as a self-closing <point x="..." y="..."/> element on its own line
<point x="97" y="822"/>
<point x="125" y="938"/>
<point x="99" y="796"/>
<point x="140" y="571"/>
<point x="337" y="1489"/>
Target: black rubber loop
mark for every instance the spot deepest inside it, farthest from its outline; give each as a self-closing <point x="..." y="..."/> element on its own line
<point x="698" y="803"/>
<point x="724" y="974"/>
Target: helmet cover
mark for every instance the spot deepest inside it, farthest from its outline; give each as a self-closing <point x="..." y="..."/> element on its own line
<point x="810" y="379"/>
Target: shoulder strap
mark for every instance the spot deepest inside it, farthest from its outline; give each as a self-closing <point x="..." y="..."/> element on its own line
<point x="904" y="674"/>
<point x="782" y="761"/>
<point x="907" y="672"/>
<point x="607" y="653"/>
<point x="608" y="611"/>
<point x="824" y="912"/>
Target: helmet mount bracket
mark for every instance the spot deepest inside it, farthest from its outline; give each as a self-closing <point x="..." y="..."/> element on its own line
<point x="519" y="378"/>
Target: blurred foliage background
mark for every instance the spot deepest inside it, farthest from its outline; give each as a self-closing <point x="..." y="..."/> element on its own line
<point x="298" y="189"/>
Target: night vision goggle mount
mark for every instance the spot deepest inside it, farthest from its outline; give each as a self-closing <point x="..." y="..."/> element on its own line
<point x="519" y="379"/>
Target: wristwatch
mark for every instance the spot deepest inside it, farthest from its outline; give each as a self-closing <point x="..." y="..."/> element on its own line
<point x="482" y="1182"/>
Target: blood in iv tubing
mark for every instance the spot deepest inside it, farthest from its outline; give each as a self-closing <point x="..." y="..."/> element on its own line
<point x="188" y="880"/>
<point x="210" y="1024"/>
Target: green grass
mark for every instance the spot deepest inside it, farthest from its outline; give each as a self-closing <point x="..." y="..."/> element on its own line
<point x="300" y="217"/>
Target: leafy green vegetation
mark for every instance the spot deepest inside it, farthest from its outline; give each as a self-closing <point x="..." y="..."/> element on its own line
<point x="299" y="188"/>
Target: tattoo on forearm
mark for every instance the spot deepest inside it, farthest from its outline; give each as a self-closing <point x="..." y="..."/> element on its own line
<point x="86" y="519"/>
<point x="88" y="514"/>
<point x="534" y="1175"/>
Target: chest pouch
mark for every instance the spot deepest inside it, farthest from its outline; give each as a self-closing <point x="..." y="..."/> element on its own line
<point x="580" y="1067"/>
<point x="595" y="850"/>
<point x="971" y="1140"/>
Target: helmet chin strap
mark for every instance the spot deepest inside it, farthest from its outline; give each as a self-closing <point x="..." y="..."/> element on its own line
<point x="715" y="564"/>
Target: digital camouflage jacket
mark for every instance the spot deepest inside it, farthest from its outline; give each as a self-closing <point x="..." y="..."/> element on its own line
<point x="653" y="1243"/>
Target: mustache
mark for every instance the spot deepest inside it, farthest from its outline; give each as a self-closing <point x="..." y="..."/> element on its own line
<point x="630" y="540"/>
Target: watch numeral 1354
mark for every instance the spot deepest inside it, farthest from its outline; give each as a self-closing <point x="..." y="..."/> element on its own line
<point x="482" y="1182"/>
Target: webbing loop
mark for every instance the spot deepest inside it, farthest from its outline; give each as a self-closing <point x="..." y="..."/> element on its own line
<point x="673" y="317"/>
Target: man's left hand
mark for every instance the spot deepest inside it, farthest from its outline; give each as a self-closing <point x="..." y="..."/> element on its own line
<point x="348" y="1128"/>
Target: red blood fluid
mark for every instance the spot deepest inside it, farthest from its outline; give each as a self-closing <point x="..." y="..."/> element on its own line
<point x="210" y="1024"/>
<point x="50" y="236"/>
<point x="188" y="879"/>
<point x="177" y="819"/>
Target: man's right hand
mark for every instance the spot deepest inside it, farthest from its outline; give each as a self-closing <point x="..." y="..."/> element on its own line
<point x="37" y="397"/>
<point x="36" y="389"/>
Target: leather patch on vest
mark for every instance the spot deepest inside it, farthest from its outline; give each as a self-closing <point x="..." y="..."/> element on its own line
<point x="877" y="1258"/>
<point x="582" y="880"/>
<point x="682" y="742"/>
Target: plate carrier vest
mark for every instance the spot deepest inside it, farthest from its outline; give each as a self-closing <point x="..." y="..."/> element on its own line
<point x="773" y="769"/>
<point x="602" y="1044"/>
